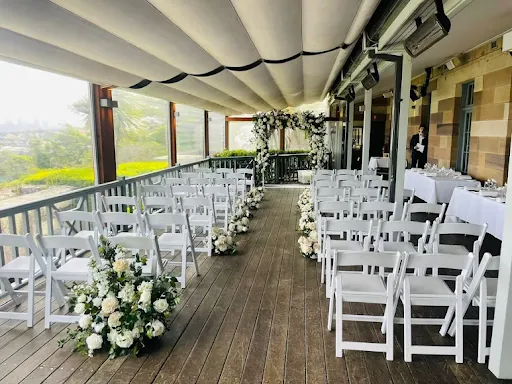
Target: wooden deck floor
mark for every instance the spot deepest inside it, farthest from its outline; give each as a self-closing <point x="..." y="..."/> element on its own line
<point x="259" y="316"/>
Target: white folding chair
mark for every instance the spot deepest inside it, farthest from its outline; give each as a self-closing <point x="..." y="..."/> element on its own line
<point x="377" y="210"/>
<point x="240" y="183"/>
<point x="394" y="236"/>
<point x="331" y="209"/>
<point x="223" y="171"/>
<point x="77" y="223"/>
<point x="249" y="176"/>
<point x="326" y="183"/>
<point x="232" y="186"/>
<point x="435" y="244"/>
<point x="71" y="268"/>
<point x="322" y="177"/>
<point x="120" y="223"/>
<point x="24" y="269"/>
<point x="427" y="208"/>
<point x="120" y="203"/>
<point x="201" y="213"/>
<point x="350" y="177"/>
<point x="175" y="181"/>
<point x="190" y="175"/>
<point x="154" y="190"/>
<point x="178" y="191"/>
<point x="351" y="172"/>
<point x="409" y="195"/>
<point x="354" y="235"/>
<point x="202" y="170"/>
<point x="482" y="294"/>
<point x="145" y="246"/>
<point x="329" y="194"/>
<point x="324" y="172"/>
<point x="351" y="184"/>
<point x="432" y="291"/>
<point x="178" y="240"/>
<point x="358" y="288"/>
<point x="222" y="202"/>
<point x="153" y="204"/>
<point x="367" y="179"/>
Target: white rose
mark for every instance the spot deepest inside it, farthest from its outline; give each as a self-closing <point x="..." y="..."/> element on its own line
<point x="313" y="235"/>
<point x="96" y="302"/>
<point x="79" y="308"/>
<point x="121" y="265"/>
<point x="124" y="339"/>
<point x="85" y="321"/>
<point x="229" y="240"/>
<point x="112" y="336"/>
<point x="98" y="327"/>
<point x="94" y="341"/>
<point x="136" y="333"/>
<point x="158" y="328"/>
<point x="231" y="227"/>
<point x="81" y="299"/>
<point x="245" y="221"/>
<point x="126" y="294"/>
<point x="161" y="305"/>
<point x="109" y="305"/>
<point x="145" y="286"/>
<point x="114" y="320"/>
<point x="145" y="299"/>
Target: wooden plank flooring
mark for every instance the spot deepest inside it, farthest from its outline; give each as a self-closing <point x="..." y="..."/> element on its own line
<point x="257" y="317"/>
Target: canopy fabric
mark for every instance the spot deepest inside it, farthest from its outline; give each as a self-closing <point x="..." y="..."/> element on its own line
<point x="230" y="56"/>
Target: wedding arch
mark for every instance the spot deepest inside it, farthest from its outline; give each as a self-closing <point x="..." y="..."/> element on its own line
<point x="265" y="123"/>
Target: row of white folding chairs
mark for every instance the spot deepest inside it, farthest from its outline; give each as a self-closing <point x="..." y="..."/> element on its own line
<point x="196" y="186"/>
<point x="412" y="290"/>
<point x="354" y="191"/>
<point x="245" y="174"/>
<point x="336" y="172"/>
<point x="392" y="236"/>
<point x="40" y="260"/>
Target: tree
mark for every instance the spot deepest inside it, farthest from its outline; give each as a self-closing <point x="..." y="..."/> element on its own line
<point x="13" y="166"/>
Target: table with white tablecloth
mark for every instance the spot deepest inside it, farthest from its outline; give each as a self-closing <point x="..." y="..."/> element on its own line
<point x="435" y="189"/>
<point x="474" y="208"/>
<point x="378" y="162"/>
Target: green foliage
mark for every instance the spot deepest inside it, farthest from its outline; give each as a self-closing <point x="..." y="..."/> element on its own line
<point x="14" y="166"/>
<point x="243" y="152"/>
<point x="84" y="177"/>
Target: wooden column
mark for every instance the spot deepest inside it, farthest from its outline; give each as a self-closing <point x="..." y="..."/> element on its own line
<point x="206" y="135"/>
<point x="226" y="134"/>
<point x="281" y="139"/>
<point x="172" y="129"/>
<point x="103" y="128"/>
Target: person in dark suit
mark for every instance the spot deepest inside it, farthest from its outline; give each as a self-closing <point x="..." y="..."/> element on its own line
<point x="419" y="145"/>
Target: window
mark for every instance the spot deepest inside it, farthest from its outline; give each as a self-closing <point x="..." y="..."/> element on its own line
<point x="189" y="134"/>
<point x="465" y="126"/>
<point x="140" y="133"/>
<point x="241" y="136"/>
<point x="295" y="140"/>
<point x="45" y="134"/>
<point x="216" y="132"/>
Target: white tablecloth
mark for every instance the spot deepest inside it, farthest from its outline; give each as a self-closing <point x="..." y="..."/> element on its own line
<point x="304" y="176"/>
<point x="378" y="162"/>
<point x="476" y="209"/>
<point x="434" y="189"/>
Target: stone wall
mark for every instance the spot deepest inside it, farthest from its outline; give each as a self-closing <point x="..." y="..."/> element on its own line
<point x="491" y="126"/>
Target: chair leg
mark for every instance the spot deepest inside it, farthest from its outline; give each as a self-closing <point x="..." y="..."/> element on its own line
<point x="48" y="298"/>
<point x="447" y="321"/>
<point x="16" y="298"/>
<point x="389" y="318"/>
<point x="328" y="277"/>
<point x="407" y="324"/>
<point x="322" y="276"/>
<point x="339" y="317"/>
<point x="482" y="331"/>
<point x="331" y="311"/>
<point x="209" y="244"/>
<point x="184" y="265"/>
<point x="30" y="307"/>
<point x="459" y="327"/>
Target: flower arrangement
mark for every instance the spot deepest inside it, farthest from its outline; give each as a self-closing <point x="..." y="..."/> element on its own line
<point x="239" y="222"/>
<point x="120" y="310"/>
<point x="307" y="222"/>
<point x="491" y="184"/>
<point x="316" y="130"/>
<point x="304" y="198"/>
<point x="308" y="245"/>
<point x="223" y="242"/>
<point x="266" y="122"/>
<point x="254" y="197"/>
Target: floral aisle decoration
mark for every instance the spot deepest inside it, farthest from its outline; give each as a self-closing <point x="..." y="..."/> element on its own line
<point x="239" y="222"/>
<point x="120" y="311"/>
<point x="315" y="128"/>
<point x="254" y="197"/>
<point x="308" y="242"/>
<point x="223" y="242"/>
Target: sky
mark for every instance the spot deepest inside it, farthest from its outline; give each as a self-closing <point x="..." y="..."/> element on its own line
<point x="29" y="94"/>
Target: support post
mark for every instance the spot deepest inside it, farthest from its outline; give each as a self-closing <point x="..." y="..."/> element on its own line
<point x="367" y="126"/>
<point x="226" y="133"/>
<point x="350" y="128"/>
<point x="172" y="129"/>
<point x="206" y="135"/>
<point x="281" y="139"/>
<point x="403" y="127"/>
<point x="103" y="134"/>
<point x="501" y="342"/>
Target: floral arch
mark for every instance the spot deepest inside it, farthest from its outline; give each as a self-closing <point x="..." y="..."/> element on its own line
<point x="265" y="123"/>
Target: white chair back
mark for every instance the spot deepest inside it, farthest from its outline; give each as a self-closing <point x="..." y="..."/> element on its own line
<point x="149" y="246"/>
<point x="351" y="184"/>
<point x="120" y="203"/>
<point x="326" y="183"/>
<point x="190" y="175"/>
<point x="345" y="177"/>
<point x="466" y="229"/>
<point x="154" y="190"/>
<point x="183" y="190"/>
<point x="69" y="243"/>
<point x="428" y="208"/>
<point x="73" y="222"/>
<point x="175" y="181"/>
<point x="352" y="228"/>
<point x="109" y="221"/>
<point x="322" y="177"/>
<point x="378" y="210"/>
<point x="159" y="203"/>
<point x="350" y="172"/>
<point x="202" y="170"/>
<point x="398" y="230"/>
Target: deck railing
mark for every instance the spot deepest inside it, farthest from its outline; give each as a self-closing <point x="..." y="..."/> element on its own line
<point x="39" y="216"/>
